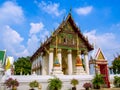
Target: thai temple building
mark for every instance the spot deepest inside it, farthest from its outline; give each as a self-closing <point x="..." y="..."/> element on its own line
<point x="64" y="52"/>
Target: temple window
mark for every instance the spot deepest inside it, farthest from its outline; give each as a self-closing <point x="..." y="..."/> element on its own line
<point x="65" y="40"/>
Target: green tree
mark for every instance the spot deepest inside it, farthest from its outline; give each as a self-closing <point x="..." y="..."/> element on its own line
<point x="116" y="81"/>
<point x="116" y="65"/>
<point x="22" y="66"/>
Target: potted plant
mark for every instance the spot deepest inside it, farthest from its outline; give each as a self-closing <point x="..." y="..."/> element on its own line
<point x="97" y="81"/>
<point x="74" y="82"/>
<point x="33" y="85"/>
<point x="87" y="86"/>
<point x="116" y="81"/>
<point x="55" y="84"/>
<point x="12" y="83"/>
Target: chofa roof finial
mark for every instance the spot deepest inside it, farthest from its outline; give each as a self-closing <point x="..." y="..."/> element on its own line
<point x="70" y="10"/>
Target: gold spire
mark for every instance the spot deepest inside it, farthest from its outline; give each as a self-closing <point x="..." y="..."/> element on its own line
<point x="56" y="56"/>
<point x="77" y="44"/>
<point x="56" y="45"/>
<point x="78" y="59"/>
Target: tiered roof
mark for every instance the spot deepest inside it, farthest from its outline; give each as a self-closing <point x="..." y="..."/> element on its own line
<point x="56" y="32"/>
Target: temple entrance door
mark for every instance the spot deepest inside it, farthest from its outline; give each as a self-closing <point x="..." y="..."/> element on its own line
<point x="64" y="66"/>
<point x="104" y="72"/>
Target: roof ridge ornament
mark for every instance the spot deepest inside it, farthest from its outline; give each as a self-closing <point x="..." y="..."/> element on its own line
<point x="70" y="10"/>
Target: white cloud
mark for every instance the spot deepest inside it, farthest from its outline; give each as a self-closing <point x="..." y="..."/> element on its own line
<point x="36" y="27"/>
<point x="37" y="34"/>
<point x="115" y="27"/>
<point x="83" y="10"/>
<point x="51" y="8"/>
<point x="11" y="13"/>
<point x="11" y="36"/>
<point x="106" y="41"/>
<point x="12" y="41"/>
<point x="33" y="43"/>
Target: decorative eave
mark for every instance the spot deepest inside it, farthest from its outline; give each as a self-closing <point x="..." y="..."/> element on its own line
<point x="102" y="62"/>
<point x="98" y="62"/>
<point x="60" y="27"/>
<point x="89" y="46"/>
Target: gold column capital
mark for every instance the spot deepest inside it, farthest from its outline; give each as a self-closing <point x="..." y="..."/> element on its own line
<point x="51" y="49"/>
<point x="69" y="51"/>
<point x="79" y="52"/>
<point x="59" y="51"/>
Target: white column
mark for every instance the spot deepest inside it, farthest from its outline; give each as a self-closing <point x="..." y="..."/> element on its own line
<point x="43" y="64"/>
<point x="50" y="61"/>
<point x="60" y="58"/>
<point x="69" y="62"/>
<point x="86" y="62"/>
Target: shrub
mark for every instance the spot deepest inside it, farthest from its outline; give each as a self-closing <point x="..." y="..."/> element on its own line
<point x="97" y="81"/>
<point x="87" y="85"/>
<point x="10" y="83"/>
<point x="116" y="81"/>
<point x="33" y="84"/>
<point x="74" y="82"/>
<point x="55" y="84"/>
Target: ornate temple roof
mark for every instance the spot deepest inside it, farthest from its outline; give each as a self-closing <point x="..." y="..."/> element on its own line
<point x="97" y="55"/>
<point x="59" y="29"/>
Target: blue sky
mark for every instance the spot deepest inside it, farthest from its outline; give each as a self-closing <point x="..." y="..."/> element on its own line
<point x="25" y="23"/>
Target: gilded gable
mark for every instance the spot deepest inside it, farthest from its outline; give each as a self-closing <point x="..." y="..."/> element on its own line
<point x="68" y="28"/>
<point x="100" y="56"/>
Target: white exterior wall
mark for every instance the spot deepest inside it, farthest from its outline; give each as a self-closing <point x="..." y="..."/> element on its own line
<point x="50" y="66"/>
<point x="43" y="80"/>
<point x="70" y="71"/>
<point x="86" y="62"/>
<point x="43" y="66"/>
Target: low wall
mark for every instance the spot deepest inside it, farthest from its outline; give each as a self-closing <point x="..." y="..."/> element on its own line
<point x="43" y="80"/>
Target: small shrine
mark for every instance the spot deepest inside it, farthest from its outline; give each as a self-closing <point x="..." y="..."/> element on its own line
<point x="99" y="64"/>
<point x="63" y="52"/>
